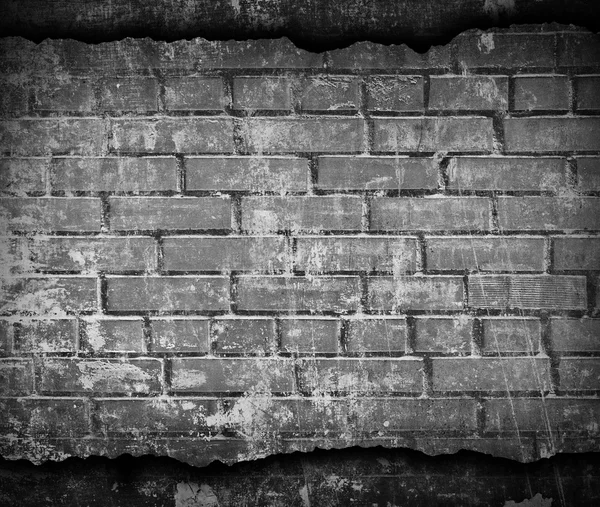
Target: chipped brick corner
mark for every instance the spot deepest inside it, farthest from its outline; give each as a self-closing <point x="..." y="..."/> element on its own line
<point x="226" y="250"/>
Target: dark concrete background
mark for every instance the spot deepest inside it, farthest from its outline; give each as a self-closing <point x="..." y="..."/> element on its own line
<point x="316" y="25"/>
<point x="349" y="477"/>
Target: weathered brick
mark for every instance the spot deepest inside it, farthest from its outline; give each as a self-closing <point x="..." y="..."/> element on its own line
<point x="16" y="377"/>
<point x="435" y="213"/>
<point x="72" y="375"/>
<point x="373" y="173"/>
<point x="301" y="213"/>
<point x="21" y="175"/>
<point x="541" y="93"/>
<point x="386" y="416"/>
<point x="342" y="253"/>
<point x="168" y="293"/>
<point x="369" y="55"/>
<point x="6" y="337"/>
<point x="361" y="375"/>
<point x="222" y="375"/>
<point x="395" y="93"/>
<point x="290" y="135"/>
<point x="329" y="93"/>
<point x="528" y="291"/>
<point x="399" y="135"/>
<point x="256" y="174"/>
<point x="496" y="374"/>
<point x="244" y="336"/>
<point x="415" y="293"/>
<point x="519" y="334"/>
<point x="279" y="293"/>
<point x="48" y="295"/>
<point x="14" y="100"/>
<point x="310" y="335"/>
<point x="446" y="335"/>
<point x="588" y="93"/>
<point x="484" y="253"/>
<point x="579" y="373"/>
<point x="114" y="174"/>
<point x="48" y="417"/>
<point x="139" y="417"/>
<point x="576" y="253"/>
<point x="225" y="253"/>
<point x="260" y="54"/>
<point x="180" y="135"/>
<point x="506" y="173"/>
<point x="192" y="213"/>
<point x="114" y="334"/>
<point x="142" y="54"/>
<point x="194" y="93"/>
<point x="549" y="213"/>
<point x="376" y="334"/>
<point x="562" y="415"/>
<point x="575" y="335"/>
<point x="552" y="134"/>
<point x="588" y="173"/>
<point x="180" y="334"/>
<point x="468" y="92"/>
<point x="45" y="136"/>
<point x="261" y="93"/>
<point x="578" y="50"/>
<point x="45" y="335"/>
<point x="505" y="50"/>
<point x="51" y="213"/>
<point x="90" y="254"/>
<point x="14" y="254"/>
<point x="129" y="94"/>
<point x="73" y="95"/>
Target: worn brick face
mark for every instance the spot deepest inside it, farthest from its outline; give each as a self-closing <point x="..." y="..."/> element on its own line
<point x="399" y="135"/>
<point x="376" y="173"/>
<point x="113" y="174"/>
<point x="220" y="250"/>
<point x="404" y="213"/>
<point x="541" y="93"/>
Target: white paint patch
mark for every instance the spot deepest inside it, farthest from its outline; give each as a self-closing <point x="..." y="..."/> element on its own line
<point x="189" y="379"/>
<point x="189" y="494"/>
<point x="98" y="372"/>
<point x="486" y="43"/>
<point x="304" y="496"/>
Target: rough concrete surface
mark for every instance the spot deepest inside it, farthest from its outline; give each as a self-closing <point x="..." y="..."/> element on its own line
<point x="228" y="250"/>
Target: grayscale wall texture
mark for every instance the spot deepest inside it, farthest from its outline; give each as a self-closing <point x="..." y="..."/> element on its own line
<point x="232" y="250"/>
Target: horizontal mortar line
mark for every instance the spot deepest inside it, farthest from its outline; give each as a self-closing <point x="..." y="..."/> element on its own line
<point x="318" y="191"/>
<point x="229" y="233"/>
<point x="285" y="314"/>
<point x="550" y="153"/>
<point x="296" y="274"/>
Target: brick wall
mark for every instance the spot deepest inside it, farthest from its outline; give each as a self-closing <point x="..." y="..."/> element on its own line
<point x="224" y="250"/>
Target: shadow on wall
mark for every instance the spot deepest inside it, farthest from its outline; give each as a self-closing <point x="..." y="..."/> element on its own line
<point x="316" y="25"/>
<point x="374" y="477"/>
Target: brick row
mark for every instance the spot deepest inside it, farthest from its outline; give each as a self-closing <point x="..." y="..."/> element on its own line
<point x="307" y="416"/>
<point x="189" y="135"/>
<point x="374" y="376"/>
<point x="310" y="254"/>
<point x="475" y="49"/>
<point x="325" y="93"/>
<point x="452" y="335"/>
<point x="283" y="174"/>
